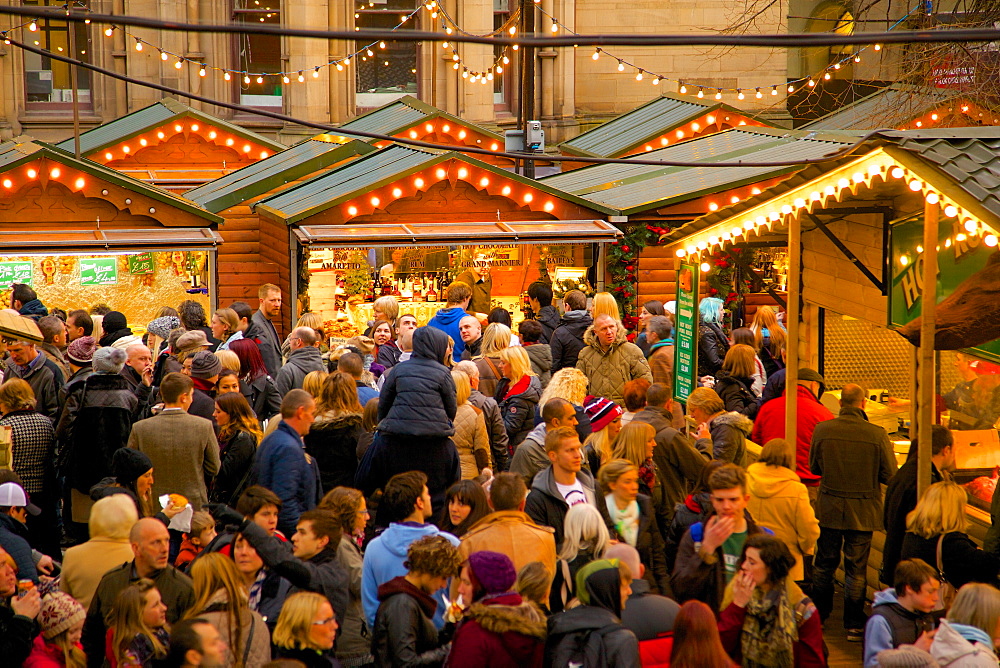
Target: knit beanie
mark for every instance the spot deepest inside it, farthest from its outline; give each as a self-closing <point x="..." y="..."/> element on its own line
<point x="128" y="464"/>
<point x="494" y="571"/>
<point x="114" y="321"/>
<point x="205" y="365"/>
<point x="81" y="351"/>
<point x="161" y="326"/>
<point x="109" y="360"/>
<point x="601" y="412"/>
<point x="59" y="612"/>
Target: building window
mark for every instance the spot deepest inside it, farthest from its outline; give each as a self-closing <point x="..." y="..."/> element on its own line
<point x="502" y="83"/>
<point x="390" y="73"/>
<point x="47" y="82"/>
<point x="258" y="54"/>
<point x="838" y="20"/>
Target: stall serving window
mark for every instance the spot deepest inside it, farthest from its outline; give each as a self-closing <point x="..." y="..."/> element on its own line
<point x="342" y="279"/>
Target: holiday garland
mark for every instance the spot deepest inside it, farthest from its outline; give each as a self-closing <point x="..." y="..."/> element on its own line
<point x="723" y="278"/>
<point x="623" y="266"/>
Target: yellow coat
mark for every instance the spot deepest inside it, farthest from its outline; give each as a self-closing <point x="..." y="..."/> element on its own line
<point x="780" y="502"/>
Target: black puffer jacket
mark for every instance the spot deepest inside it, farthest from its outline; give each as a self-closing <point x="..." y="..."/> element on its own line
<point x="567" y="340"/>
<point x="418" y="396"/>
<point x="736" y="393"/>
<point x="729" y="433"/>
<point x="548" y="318"/>
<point x="388" y="355"/>
<point x="712" y="348"/>
<point x="333" y="441"/>
<point x="236" y="457"/>
<point x="518" y="410"/>
<point x="96" y="421"/>
<point x="263" y="396"/>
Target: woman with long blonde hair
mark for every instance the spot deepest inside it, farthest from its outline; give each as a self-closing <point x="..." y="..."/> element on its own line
<point x="940" y="519"/>
<point x="769" y="338"/>
<point x="306" y="630"/>
<point x="222" y="598"/>
<point x="585" y="537"/>
<point x="496" y="337"/>
<point x="313" y="383"/>
<point x="570" y="384"/>
<point x="471" y="438"/>
<point x="635" y="443"/>
<point x="517" y="394"/>
<point x="239" y="435"/>
<point x="333" y="437"/>
<point x="139" y="633"/>
<point x="605" y="304"/>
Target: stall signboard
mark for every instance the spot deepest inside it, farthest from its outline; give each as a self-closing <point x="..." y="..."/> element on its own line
<point x="18" y="271"/>
<point x="965" y="285"/>
<point x="686" y="332"/>
<point x="99" y="271"/>
<point x="141" y="264"/>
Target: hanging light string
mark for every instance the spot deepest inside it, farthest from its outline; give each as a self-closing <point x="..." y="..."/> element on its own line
<point x="701" y="91"/>
<point x="500" y="63"/>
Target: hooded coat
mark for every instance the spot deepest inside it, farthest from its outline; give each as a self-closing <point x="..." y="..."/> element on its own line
<point x="446" y="320"/>
<point x="712" y="348"/>
<point x="418" y="396"/>
<point x="384" y="559"/>
<point x="501" y="631"/>
<point x="609" y="370"/>
<point x="548" y="318"/>
<point x="34" y="309"/>
<point x="597" y="623"/>
<point x="952" y="648"/>
<point x="729" y="438"/>
<point x="540" y="355"/>
<point x="736" y="392"/>
<point x="518" y="408"/>
<point x="770" y="423"/>
<point x="566" y="341"/>
<point x="332" y="441"/>
<point x="300" y="363"/>
<point x="892" y="625"/>
<point x="780" y="502"/>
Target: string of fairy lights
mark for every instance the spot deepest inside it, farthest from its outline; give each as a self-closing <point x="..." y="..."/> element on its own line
<point x="499" y="65"/>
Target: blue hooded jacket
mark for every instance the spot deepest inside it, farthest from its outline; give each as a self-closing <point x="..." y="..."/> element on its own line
<point x="447" y="320"/>
<point x="384" y="559"/>
<point x="418" y="395"/>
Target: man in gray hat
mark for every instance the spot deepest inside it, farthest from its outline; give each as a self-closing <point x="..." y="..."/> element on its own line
<point x="205" y="368"/>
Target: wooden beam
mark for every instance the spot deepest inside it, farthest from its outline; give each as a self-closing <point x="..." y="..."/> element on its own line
<point x="928" y="330"/>
<point x="792" y="327"/>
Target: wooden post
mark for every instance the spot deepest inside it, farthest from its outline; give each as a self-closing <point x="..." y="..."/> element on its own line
<point x="928" y="306"/>
<point x="792" y="327"/>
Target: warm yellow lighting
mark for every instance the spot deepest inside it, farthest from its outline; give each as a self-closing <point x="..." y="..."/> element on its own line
<point x="55" y="172"/>
<point x="712" y="206"/>
<point x="679" y="252"/>
<point x="230" y="142"/>
<point x="706" y="267"/>
<point x="263" y="154"/>
<point x="463" y="172"/>
<point x="505" y="191"/>
<point x="970" y="226"/>
<point x="143" y="142"/>
<point x="246" y="148"/>
<point x="932" y="198"/>
<point x="126" y="149"/>
<point x="904" y="260"/>
<point x="440" y="173"/>
<point x="32" y="173"/>
<point x="897" y="172"/>
<point x="990" y="240"/>
<point x="528" y="197"/>
<point x="7" y="183"/>
<point x="549" y="206"/>
<point x="950" y="211"/>
<point x="915" y="185"/>
<point x="418" y="182"/>
<point x="160" y="135"/>
<point x="108" y="156"/>
<point x="79" y="183"/>
<point x="352" y="210"/>
<point x="375" y="201"/>
<point x="483" y="182"/>
<point x="461" y="134"/>
<point x="213" y="134"/>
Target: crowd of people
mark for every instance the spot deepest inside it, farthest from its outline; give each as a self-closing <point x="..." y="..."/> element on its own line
<point x="210" y="494"/>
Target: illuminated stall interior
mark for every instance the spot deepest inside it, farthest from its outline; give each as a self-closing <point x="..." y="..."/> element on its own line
<point x="862" y="223"/>
<point x="82" y="234"/>
<point x="407" y="222"/>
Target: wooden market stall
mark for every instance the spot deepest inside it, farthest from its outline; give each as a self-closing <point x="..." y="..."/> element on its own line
<point x="80" y="233"/>
<point x="868" y="232"/>
<point x="667" y="197"/>
<point x="666" y="120"/>
<point x="262" y="253"/>
<point x="406" y="222"/>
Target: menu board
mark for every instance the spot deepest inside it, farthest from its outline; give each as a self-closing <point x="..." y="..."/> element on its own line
<point x="99" y="271"/>
<point x="18" y="271"/>
<point x="686" y="332"/>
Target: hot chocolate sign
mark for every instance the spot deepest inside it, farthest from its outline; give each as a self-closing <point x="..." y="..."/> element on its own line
<point x="99" y="271"/>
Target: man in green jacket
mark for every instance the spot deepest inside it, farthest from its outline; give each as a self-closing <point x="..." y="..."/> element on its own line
<point x="609" y="360"/>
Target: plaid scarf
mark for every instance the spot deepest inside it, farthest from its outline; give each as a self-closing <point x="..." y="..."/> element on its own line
<point x="769" y="630"/>
<point x="647" y="473"/>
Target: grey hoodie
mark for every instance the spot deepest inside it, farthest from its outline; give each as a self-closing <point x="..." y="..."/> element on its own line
<point x="530" y="457"/>
<point x="300" y="363"/>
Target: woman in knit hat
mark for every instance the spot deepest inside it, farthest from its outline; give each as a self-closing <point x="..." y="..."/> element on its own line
<point x="605" y="423"/>
<point x="58" y="645"/>
<point x="133" y="475"/>
<point x="499" y="629"/>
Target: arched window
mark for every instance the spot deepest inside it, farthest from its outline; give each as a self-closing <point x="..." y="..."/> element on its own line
<point x="835" y="18"/>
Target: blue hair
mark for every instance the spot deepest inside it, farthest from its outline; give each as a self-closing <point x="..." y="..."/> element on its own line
<point x="710" y="309"/>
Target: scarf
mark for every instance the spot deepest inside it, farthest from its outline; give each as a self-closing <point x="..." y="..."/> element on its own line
<point x="770" y="629"/>
<point x="647" y="474"/>
<point x="256" y="589"/>
<point x="626" y="521"/>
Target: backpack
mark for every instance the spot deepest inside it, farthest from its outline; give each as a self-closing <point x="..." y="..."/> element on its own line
<point x="580" y="649"/>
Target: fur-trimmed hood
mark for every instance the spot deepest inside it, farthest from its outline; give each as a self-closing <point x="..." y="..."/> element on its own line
<point x="523" y="618"/>
<point x="332" y="421"/>
<point x="590" y="339"/>
<point x="736" y="420"/>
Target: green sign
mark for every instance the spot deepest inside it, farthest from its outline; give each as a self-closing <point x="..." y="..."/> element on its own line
<point x="99" y="271"/>
<point x="15" y="272"/>
<point x="960" y="257"/>
<point x="686" y="332"/>
<point x="143" y="263"/>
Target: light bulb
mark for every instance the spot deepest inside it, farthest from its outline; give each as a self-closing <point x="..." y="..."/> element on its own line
<point x="202" y="72"/>
<point x="740" y="95"/>
<point x="683" y="89"/>
<point x="246" y="79"/>
<point x="718" y="95"/>
<point x="33" y="27"/>
<point x="621" y="66"/>
<point x="774" y="90"/>
<point x="596" y="55"/>
<point x="108" y="32"/>
<point x="759" y="95"/>
<point x="227" y="76"/>
<point x="316" y="73"/>
<point x="260" y="80"/>
<point x="178" y="64"/>
<point x="138" y="45"/>
<point x="555" y="26"/>
<point x="638" y="75"/>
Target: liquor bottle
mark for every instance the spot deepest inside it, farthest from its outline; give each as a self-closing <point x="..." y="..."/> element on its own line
<point x="395" y="288"/>
<point x="407" y="290"/>
<point x="432" y="294"/>
<point x="418" y="289"/>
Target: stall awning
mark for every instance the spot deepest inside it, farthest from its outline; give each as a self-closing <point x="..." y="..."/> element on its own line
<point x="32" y="241"/>
<point x="455" y="234"/>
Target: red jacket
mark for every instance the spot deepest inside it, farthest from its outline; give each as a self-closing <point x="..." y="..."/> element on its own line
<point x="44" y="655"/>
<point x="808" y="649"/>
<point x="186" y="554"/>
<point x="655" y="652"/>
<point x="770" y="423"/>
<point x="499" y="632"/>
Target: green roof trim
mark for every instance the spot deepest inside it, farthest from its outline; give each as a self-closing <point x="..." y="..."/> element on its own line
<point x="379" y="169"/>
<point x="639" y="188"/>
<point x="14" y="153"/>
<point x="265" y="175"/>
<point x="403" y="114"/>
<point x="648" y="121"/>
<point x="155" y="115"/>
